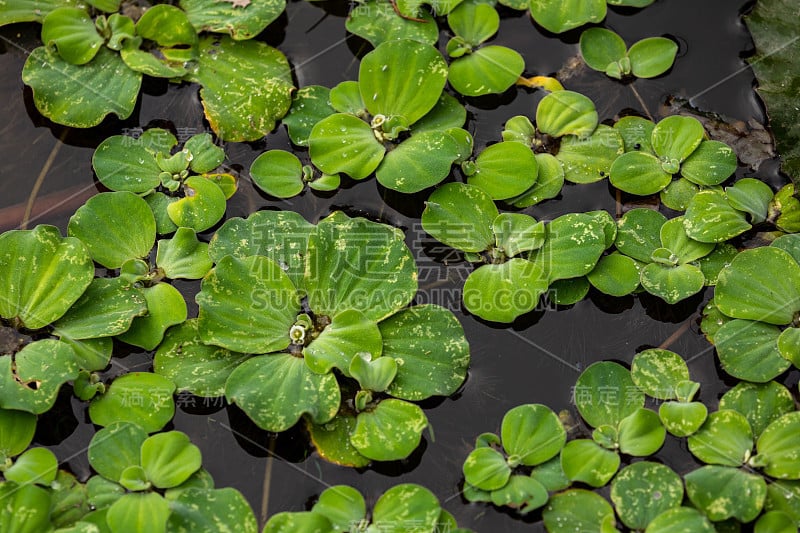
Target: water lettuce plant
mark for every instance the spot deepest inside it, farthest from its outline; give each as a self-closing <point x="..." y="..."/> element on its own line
<point x="605" y="51"/>
<point x="338" y="303"/>
<point x="558" y="17"/>
<point x="93" y="61"/>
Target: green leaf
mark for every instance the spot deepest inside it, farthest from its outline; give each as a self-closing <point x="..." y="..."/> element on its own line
<point x="680" y="520"/>
<point x="30" y="380"/>
<point x="31" y="10"/>
<point x="419" y="162"/>
<point x="652" y="57"/>
<point x="342" y="143"/>
<point x="36" y="465"/>
<point x="25" y="509"/>
<point x="658" y="372"/>
<point x="279" y="235"/>
<point x="332" y="441"/>
<point x="158" y="202"/>
<point x="675" y="239"/>
<point x="346" y="98"/>
<point x="775" y="522"/>
<point x="488" y="70"/>
<point x="167" y="27"/>
<point x="116" y="447"/>
<point x="504" y="170"/>
<point x="278" y="173"/>
<point x="566" y="112"/>
<point x="406" y="504"/>
<point x="578" y="510"/>
<point x="41" y="275"/>
<point x="558" y="17"/>
<point x="81" y="95"/>
<point x="16" y="432"/>
<point x="134" y="479"/>
<point x="247" y="305"/>
<point x="748" y="288"/>
<point x="461" y="216"/>
<point x="777" y="447"/>
<point x="710" y="164"/>
<point x="678" y="194"/>
<point x="123" y="163"/>
<point x="751" y="196"/>
<point x="377" y="22"/>
<point x="309" y="105"/>
<point x="206" y="156"/>
<point x="639" y="233"/>
<point x="615" y="274"/>
<point x="276" y="390"/>
<point x="636" y="133"/>
<point x="115" y="226"/>
<point x="782" y="496"/>
<point x="682" y="419"/>
<point x="605" y="394"/>
<point x="549" y="181"/>
<point x="302" y="522"/>
<point x="503" y="292"/>
<point x="91" y="354"/>
<point x="165" y="307"/>
<point x="446" y="114"/>
<point x="387" y="73"/>
<point x="431" y="351"/>
<point x="559" y="257"/>
<point x="586" y="461"/>
<point x="672" y="283"/>
<point x="749" y="350"/>
<point x="224" y="510"/>
<point x="600" y="46"/>
<point x="390" y="431"/>
<point x="760" y="403"/>
<point x="521" y="492"/>
<point x="358" y="264"/>
<point x="638" y="173"/>
<point x="724" y="439"/>
<point x="532" y="434"/>
<point x="711" y="218"/>
<point x="773" y="26"/>
<point x="486" y="469"/>
<point x="641" y="433"/>
<point x="139" y="397"/>
<point x="350" y="333"/>
<point x="723" y="492"/>
<point x="474" y="22"/>
<point x="789" y="344"/>
<point x="183" y="256"/>
<point x="228" y="69"/>
<point x="72" y="32"/>
<point x="169" y="459"/>
<point x="134" y="512"/>
<point x="342" y="505"/>
<point x="587" y="160"/>
<point x="519" y="129"/>
<point x="644" y="490"/>
<point x="202" y="205"/>
<point x="517" y="233"/>
<point x="107" y="308"/>
<point x="228" y="17"/>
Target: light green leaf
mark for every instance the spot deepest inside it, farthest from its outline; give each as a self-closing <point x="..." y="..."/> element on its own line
<point x="81" y="95"/>
<point x="503" y="292"/>
<point x="135" y="512"/>
<point x="342" y="505"/>
<point x="139" y="397"/>
<point x="169" y="459"/>
<point x="710" y="164"/>
<point x="107" y="308"/>
<point x="342" y="143"/>
<point x="378" y="22"/>
<point x="36" y="465"/>
<point x="638" y="173"/>
<point x="644" y="490"/>
<point x="358" y="264"/>
<point x="419" y="162"/>
<point x="680" y="520"/>
<point x="578" y="510"/>
<point x="641" y="433"/>
<point x="386" y="74"/>
<point x="652" y="57"/>
<point x="789" y="345"/>
<point x="615" y="274"/>
<point x="404" y="505"/>
<point x="775" y="522"/>
<point x="777" y="447"/>
<point x="72" y="32"/>
<point x="446" y="114"/>
<point x="760" y="403"/>
<point x="41" y="275"/>
<point x="504" y="170"/>
<point x="24" y="509"/>
<point x="486" y="469"/>
<point x="346" y="98"/>
<point x="572" y="247"/>
<point x="241" y="22"/>
<point x="276" y="390"/>
<point x="16" y="432"/>
<point x="711" y="218"/>
<point x="488" y="70"/>
<point x="123" y="163"/>
<point x="520" y="129"/>
<point x="724" y="439"/>
<point x="586" y="160"/>
<point x="301" y="522"/>
<point x="431" y="351"/>
<point x="658" y="372"/>
<point x="532" y="434"/>
<point x="605" y="394"/>
<point x="675" y="138"/>
<point x="390" y="431"/>
<point x="682" y="419"/>
<point x="549" y="181"/>
<point x="224" y="510"/>
<point x="639" y="233"/>
<point x="724" y="492"/>
<point x="246" y="86"/>
<point x="566" y="112"/>
<point x="350" y="333"/>
<point x="474" y="22"/>
<point x="751" y="196"/>
<point x="672" y="283"/>
<point x="165" y="307"/>
<point x="30" y="380"/>
<point x="558" y="17"/>
<point x="247" y="305"/>
<point x="461" y="216"/>
<point x="309" y="105"/>
<point x="521" y="492"/>
<point x="116" y="447"/>
<point x="183" y="256"/>
<point x="675" y="239"/>
<point x="678" y="194"/>
<point x="332" y="441"/>
<point x="600" y="46"/>
<point x="586" y="461"/>
<point x="748" y="350"/>
<point x="517" y="233"/>
<point x="202" y="205"/>
<point x="636" y="133"/>
<point x="278" y="173"/>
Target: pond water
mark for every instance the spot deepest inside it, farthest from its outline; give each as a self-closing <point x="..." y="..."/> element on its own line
<point x="536" y="359"/>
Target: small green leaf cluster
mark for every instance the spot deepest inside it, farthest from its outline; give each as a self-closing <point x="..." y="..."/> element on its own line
<point x="605" y="51"/>
<point x="114" y="50"/>
<point x="748" y="447"/>
<point x="341" y="508"/>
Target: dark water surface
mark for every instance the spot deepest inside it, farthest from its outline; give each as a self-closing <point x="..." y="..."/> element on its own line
<point x="534" y="360"/>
